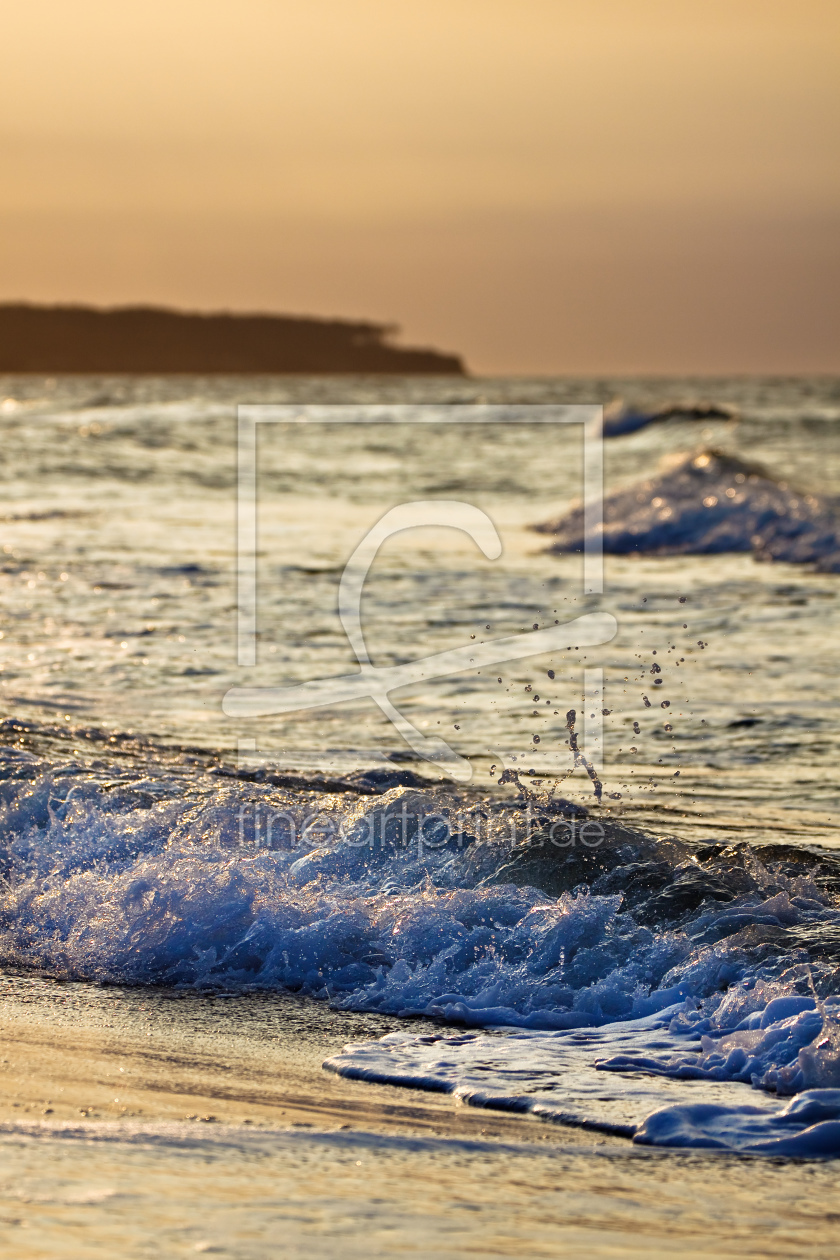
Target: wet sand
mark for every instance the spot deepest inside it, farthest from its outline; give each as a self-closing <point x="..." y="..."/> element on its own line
<point x="72" y="1052"/>
<point x="143" y="1122"/>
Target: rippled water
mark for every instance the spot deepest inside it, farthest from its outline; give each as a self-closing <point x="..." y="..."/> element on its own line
<point x="118" y="596"/>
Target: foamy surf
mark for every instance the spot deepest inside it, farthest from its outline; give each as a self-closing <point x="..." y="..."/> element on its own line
<point x="638" y="972"/>
<point x="662" y="1089"/>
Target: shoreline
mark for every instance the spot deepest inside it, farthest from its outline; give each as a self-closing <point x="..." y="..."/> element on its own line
<point x="144" y="1120"/>
<point x="74" y="1051"/>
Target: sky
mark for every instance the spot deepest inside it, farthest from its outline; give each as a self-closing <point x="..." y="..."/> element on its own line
<point x="545" y="186"/>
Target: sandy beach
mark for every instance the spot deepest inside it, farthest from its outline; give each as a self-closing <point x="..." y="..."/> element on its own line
<point x="76" y="1053"/>
<point x="140" y="1121"/>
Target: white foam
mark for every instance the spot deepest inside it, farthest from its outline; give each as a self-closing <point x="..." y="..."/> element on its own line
<point x="646" y="1092"/>
<point x="553" y="1075"/>
<point x="807" y="1128"/>
<point x="623" y="1018"/>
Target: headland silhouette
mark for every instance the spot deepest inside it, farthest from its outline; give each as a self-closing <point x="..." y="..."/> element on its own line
<point x="149" y="339"/>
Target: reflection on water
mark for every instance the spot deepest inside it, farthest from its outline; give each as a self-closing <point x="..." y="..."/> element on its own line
<point x="118" y="599"/>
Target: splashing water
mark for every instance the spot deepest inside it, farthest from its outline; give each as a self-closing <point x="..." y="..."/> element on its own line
<point x="472" y="908"/>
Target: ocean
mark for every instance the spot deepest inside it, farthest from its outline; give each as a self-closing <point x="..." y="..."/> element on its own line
<point x="642" y="939"/>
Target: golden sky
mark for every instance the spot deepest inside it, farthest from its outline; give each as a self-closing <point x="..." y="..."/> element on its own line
<point x="543" y="185"/>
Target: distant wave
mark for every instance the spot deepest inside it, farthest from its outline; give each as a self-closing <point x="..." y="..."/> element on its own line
<point x="709" y="502"/>
<point x="621" y="418"/>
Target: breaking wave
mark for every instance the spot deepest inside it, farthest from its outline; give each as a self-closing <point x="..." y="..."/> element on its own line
<point x="706" y="503"/>
<point x="381" y="893"/>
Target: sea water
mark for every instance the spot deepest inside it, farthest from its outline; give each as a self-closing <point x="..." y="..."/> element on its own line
<point x="683" y="954"/>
